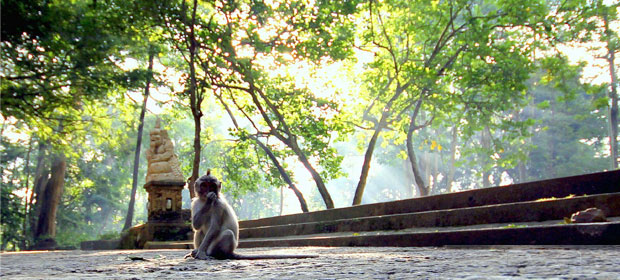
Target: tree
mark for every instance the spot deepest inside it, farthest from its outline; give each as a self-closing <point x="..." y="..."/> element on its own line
<point x="591" y="21"/>
<point x="58" y="58"/>
<point x="196" y="94"/>
<point x="50" y="198"/>
<point x="612" y="46"/>
<point x="11" y="217"/>
<point x="56" y="64"/>
<point x="136" y="162"/>
<point x="268" y="151"/>
<point x="449" y="57"/>
<point x="305" y="32"/>
<point x="179" y="23"/>
<point x="223" y="30"/>
<point x="570" y="129"/>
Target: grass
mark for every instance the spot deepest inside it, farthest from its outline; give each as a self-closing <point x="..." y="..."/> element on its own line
<point x="555" y="198"/>
<point x="514" y="226"/>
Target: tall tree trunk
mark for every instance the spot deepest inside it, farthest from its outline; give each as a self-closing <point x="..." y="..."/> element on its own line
<point x="613" y="95"/>
<point x="329" y="203"/>
<point x="419" y="181"/>
<point x="46" y="224"/>
<point x="26" y="201"/>
<point x="136" y="159"/>
<point x="521" y="170"/>
<point x="41" y="176"/>
<point x="452" y="167"/>
<point x="281" y="200"/>
<point x="361" y="184"/>
<point x="284" y="174"/>
<point x="486" y="144"/>
<point x="379" y="126"/>
<point x="421" y="187"/>
<point x="195" y="102"/>
<point x="434" y="187"/>
<point x="553" y="157"/>
<point x="410" y="181"/>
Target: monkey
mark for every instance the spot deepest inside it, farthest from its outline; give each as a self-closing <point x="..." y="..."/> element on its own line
<point x="215" y="224"/>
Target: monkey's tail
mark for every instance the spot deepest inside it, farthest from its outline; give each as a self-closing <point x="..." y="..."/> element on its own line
<point x="270" y="257"/>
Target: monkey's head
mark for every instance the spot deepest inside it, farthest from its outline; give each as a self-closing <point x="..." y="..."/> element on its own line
<point x="206" y="184"/>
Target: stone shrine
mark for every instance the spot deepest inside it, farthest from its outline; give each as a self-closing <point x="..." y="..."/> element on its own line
<point x="164" y="181"/>
<point x="167" y="221"/>
<point x="163" y="164"/>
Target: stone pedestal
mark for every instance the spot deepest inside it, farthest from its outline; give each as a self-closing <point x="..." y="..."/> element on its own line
<point x="167" y="221"/>
<point x="164" y="201"/>
<point x="137" y="236"/>
<point x="164" y="183"/>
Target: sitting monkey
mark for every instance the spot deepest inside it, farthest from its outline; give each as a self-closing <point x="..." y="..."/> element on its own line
<point x="216" y="229"/>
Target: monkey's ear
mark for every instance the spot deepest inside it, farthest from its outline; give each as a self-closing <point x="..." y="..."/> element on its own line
<point x="219" y="186"/>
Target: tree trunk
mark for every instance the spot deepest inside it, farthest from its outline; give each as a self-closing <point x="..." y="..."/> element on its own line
<point x="361" y="185"/>
<point x="485" y="142"/>
<point x="452" y="168"/>
<point x="380" y="125"/>
<point x="41" y="176"/>
<point x="435" y="188"/>
<point x="284" y="174"/>
<point x="26" y="202"/>
<point x="46" y="224"/>
<point x="550" y="168"/>
<point x="281" y="200"/>
<point x="419" y="181"/>
<point x="415" y="169"/>
<point x="196" y="160"/>
<point x="195" y="103"/>
<point x="329" y="203"/>
<point x="410" y="183"/>
<point x="521" y="170"/>
<point x="613" y="96"/>
<point x="136" y="160"/>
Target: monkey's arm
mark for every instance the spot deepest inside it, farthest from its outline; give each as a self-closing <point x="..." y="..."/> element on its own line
<point x="198" y="218"/>
<point x="200" y="210"/>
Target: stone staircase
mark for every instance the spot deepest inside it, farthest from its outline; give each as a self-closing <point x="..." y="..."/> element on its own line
<point x="522" y="214"/>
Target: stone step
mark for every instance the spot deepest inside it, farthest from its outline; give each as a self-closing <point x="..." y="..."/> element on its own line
<point x="531" y="211"/>
<point x="590" y="184"/>
<point x="557" y="234"/>
<point x="532" y="233"/>
<point x="528" y="213"/>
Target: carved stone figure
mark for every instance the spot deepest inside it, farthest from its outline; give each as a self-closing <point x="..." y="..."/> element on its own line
<point x="163" y="163"/>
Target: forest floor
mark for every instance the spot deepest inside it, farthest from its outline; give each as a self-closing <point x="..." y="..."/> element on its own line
<point x="496" y="262"/>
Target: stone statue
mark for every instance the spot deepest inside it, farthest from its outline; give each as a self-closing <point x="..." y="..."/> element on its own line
<point x="163" y="163"/>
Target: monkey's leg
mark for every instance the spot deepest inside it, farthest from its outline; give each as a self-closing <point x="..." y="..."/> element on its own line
<point x="210" y="237"/>
<point x="223" y="246"/>
<point x="198" y="237"/>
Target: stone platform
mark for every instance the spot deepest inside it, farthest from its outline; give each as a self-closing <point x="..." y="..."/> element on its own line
<point x="463" y="262"/>
<point x="533" y="213"/>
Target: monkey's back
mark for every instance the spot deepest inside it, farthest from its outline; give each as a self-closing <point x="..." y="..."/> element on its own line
<point x="232" y="223"/>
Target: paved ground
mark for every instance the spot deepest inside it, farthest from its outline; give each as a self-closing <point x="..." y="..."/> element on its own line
<point x="588" y="262"/>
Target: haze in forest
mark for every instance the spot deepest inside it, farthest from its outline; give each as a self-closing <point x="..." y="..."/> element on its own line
<point x="301" y="105"/>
